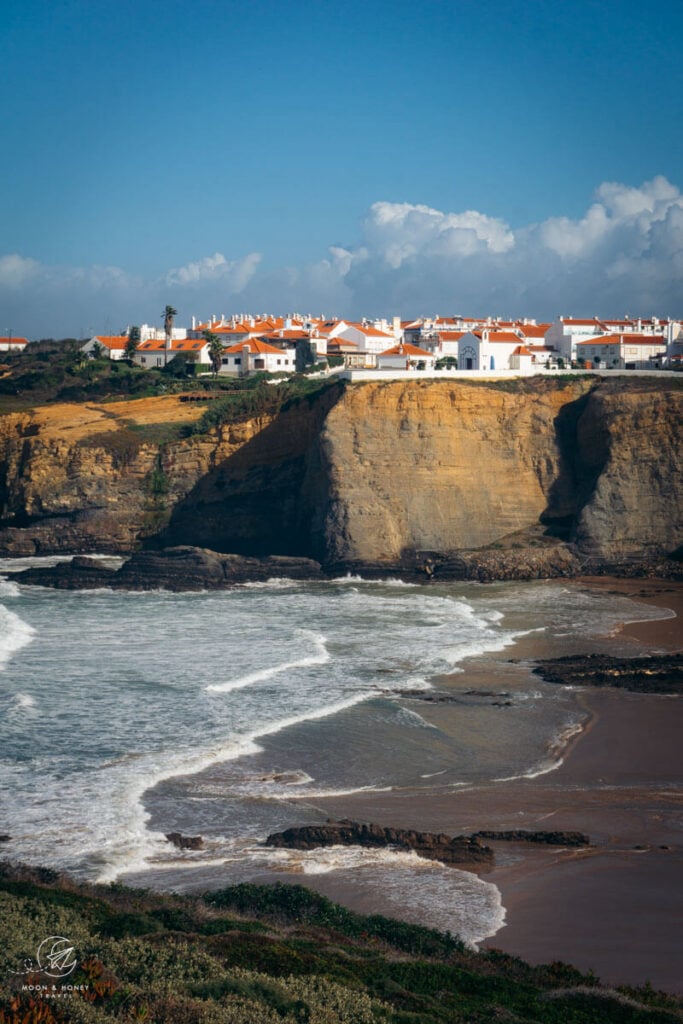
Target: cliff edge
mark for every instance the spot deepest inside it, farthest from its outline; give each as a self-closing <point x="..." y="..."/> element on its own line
<point x="580" y="471"/>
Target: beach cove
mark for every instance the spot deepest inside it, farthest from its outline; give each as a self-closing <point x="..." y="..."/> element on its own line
<point x="617" y="907"/>
<point x="372" y="746"/>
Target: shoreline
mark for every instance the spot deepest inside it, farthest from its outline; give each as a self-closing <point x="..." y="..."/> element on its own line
<point x="627" y="808"/>
<point x="614" y="907"/>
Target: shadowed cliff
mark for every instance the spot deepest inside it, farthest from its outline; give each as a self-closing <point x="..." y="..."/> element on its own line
<point x="387" y="472"/>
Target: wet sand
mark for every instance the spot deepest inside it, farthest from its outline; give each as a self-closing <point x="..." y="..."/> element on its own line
<point x="616" y="907"/>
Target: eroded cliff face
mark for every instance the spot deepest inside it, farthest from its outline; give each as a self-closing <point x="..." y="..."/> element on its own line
<point x="441" y="467"/>
<point x="93" y="478"/>
<point x="630" y="442"/>
<point x="392" y="473"/>
<point x="379" y="473"/>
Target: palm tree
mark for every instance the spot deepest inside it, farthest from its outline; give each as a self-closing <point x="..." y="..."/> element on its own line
<point x="215" y="349"/>
<point x="168" y="314"/>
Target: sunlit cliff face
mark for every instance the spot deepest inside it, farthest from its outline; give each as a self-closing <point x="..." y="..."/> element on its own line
<point x="374" y="473"/>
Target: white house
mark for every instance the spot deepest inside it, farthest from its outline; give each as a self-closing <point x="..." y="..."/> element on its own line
<point x="10" y="344"/>
<point x="253" y="355"/>
<point x="487" y="349"/>
<point x="447" y="343"/>
<point x="522" y="359"/>
<point x="368" y="338"/>
<point x="107" y="345"/>
<point x="623" y="351"/>
<point x="152" y="354"/>
<point x="405" y="356"/>
<point x="566" y="333"/>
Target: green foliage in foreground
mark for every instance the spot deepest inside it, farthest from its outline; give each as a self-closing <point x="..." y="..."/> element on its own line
<point x="58" y="371"/>
<point x="276" y="955"/>
<point x="255" y="397"/>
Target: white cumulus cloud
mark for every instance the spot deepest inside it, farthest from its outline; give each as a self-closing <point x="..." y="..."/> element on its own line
<point x="233" y="275"/>
<point x="625" y="253"/>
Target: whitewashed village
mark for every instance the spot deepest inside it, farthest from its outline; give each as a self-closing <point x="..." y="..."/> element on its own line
<point x="244" y="344"/>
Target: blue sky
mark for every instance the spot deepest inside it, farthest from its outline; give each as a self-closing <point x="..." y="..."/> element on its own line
<point x="224" y="156"/>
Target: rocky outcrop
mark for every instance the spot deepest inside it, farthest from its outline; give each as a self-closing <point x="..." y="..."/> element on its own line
<point x="509" y="480"/>
<point x="177" y="569"/>
<point x="658" y="673"/>
<point x="185" y="842"/>
<point x="518" y="835"/>
<point x="456" y="851"/>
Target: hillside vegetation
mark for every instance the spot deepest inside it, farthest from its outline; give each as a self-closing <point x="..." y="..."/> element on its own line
<point x="275" y="955"/>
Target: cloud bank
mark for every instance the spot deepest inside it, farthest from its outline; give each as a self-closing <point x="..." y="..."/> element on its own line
<point x="625" y="254"/>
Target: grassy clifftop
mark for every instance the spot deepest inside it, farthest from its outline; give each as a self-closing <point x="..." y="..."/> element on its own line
<point x="273" y="955"/>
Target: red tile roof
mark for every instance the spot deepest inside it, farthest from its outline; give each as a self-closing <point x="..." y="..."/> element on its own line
<point x="504" y="337"/>
<point x="405" y="349"/>
<point x="371" y="332"/>
<point x="112" y="341"/>
<point x="13" y="341"/>
<point x="255" y="346"/>
<point x="286" y="334"/>
<point x="179" y="345"/>
<point x="534" y="330"/>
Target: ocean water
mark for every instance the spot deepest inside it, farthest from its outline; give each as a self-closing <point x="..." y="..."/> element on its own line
<point x="124" y="716"/>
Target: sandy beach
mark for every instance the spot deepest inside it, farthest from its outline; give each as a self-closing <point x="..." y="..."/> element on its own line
<point x="615" y="907"/>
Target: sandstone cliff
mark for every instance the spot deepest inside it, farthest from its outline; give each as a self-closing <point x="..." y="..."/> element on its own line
<point x="380" y="473"/>
<point x="89" y="477"/>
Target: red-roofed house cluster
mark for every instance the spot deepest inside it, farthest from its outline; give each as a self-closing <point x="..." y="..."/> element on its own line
<point x="248" y="344"/>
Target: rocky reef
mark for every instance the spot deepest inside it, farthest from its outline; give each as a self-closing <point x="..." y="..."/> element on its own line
<point x="657" y="673"/>
<point x="178" y="569"/>
<point x="454" y="850"/>
<point x="458" y="851"/>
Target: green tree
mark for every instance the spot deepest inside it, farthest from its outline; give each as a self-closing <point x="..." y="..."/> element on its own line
<point x="132" y="343"/>
<point x="215" y="350"/>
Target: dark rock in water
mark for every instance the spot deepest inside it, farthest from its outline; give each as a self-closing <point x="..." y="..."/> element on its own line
<point x="658" y="673"/>
<point x="81" y="573"/>
<point x="190" y="568"/>
<point x="185" y="842"/>
<point x="549" y="838"/>
<point x="456" y="850"/>
<point x="177" y="569"/>
<point x="5" y="838"/>
<point x="427" y="696"/>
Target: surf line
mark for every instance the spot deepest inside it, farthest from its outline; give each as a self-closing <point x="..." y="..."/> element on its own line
<point x="320" y="658"/>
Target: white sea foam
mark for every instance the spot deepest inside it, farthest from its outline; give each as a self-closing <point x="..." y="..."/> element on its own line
<point x="556" y="750"/>
<point x="118" y="718"/>
<point x="323" y="794"/>
<point x="418" y="890"/>
<point x="14" y="634"/>
<point x="319" y="658"/>
<point x="133" y="849"/>
<point x="411" y="718"/>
